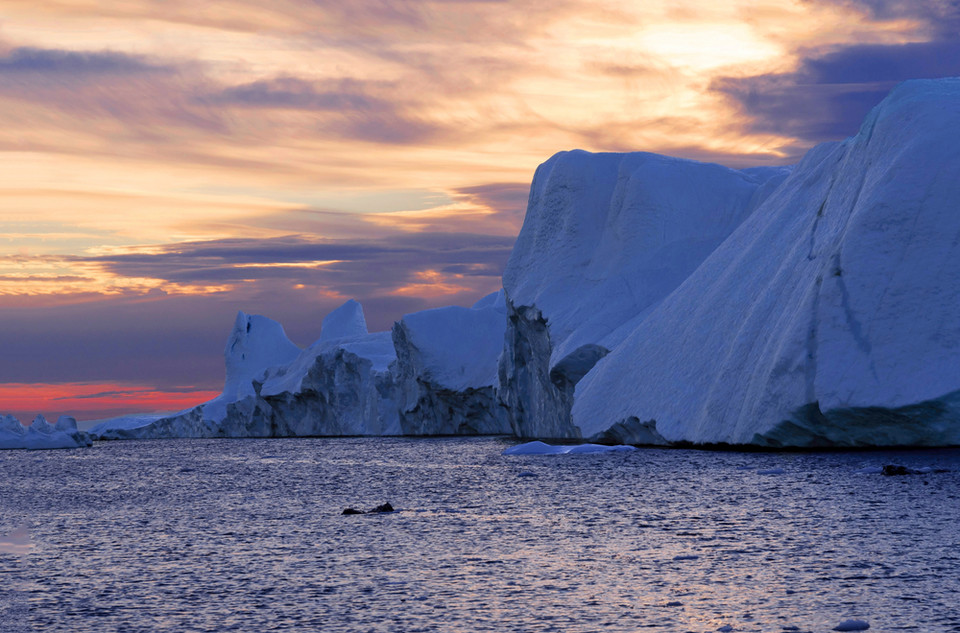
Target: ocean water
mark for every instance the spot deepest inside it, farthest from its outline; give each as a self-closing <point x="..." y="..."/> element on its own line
<point x="248" y="535"/>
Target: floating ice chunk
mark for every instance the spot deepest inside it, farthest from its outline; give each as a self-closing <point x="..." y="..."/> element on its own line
<point x="869" y="470"/>
<point x="726" y="628"/>
<point x="771" y="471"/>
<point x="542" y="448"/>
<point x="852" y="625"/>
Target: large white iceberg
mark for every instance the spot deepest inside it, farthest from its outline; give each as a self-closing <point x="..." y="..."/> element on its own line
<point x="606" y="238"/>
<point x="41" y="434"/>
<point x="829" y="317"/>
<point x="654" y="300"/>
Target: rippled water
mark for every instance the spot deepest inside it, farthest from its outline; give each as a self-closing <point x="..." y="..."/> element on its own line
<point x="247" y="535"/>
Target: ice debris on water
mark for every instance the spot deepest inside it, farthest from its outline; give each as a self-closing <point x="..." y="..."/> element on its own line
<point x="771" y="471"/>
<point x="542" y="448"/>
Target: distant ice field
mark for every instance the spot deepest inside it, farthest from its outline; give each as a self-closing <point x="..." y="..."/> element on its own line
<point x="248" y="535"/>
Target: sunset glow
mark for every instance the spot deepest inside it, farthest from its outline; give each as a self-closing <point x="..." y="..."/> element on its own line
<point x="166" y="166"/>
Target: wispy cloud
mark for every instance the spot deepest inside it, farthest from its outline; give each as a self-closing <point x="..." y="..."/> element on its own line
<point x="829" y="95"/>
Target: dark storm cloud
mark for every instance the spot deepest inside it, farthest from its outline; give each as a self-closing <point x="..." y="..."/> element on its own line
<point x="831" y="93"/>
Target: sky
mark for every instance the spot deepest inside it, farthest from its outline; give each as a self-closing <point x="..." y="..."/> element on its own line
<point x="167" y="163"/>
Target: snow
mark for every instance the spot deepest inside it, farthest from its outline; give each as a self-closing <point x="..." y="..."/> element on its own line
<point x="542" y="448"/>
<point x="458" y="347"/>
<point x="828" y="317"/>
<point x="41" y="435"/>
<point x="346" y="322"/>
<point x="608" y="236"/>
<point x="124" y="422"/>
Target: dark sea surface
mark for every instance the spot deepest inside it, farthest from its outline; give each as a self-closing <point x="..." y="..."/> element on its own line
<point x="247" y="535"/>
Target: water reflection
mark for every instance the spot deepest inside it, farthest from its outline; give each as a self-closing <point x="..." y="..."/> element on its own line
<point x="248" y="535"/>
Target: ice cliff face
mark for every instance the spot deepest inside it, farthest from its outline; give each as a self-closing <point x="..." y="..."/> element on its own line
<point x="829" y="317"/>
<point x="605" y="239"/>
<point x="446" y="369"/>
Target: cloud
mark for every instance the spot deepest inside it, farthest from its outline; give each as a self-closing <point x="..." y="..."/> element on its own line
<point x="298" y="94"/>
<point x="343" y="266"/>
<point x="941" y="18"/>
<point x="42" y="61"/>
<point x="830" y="94"/>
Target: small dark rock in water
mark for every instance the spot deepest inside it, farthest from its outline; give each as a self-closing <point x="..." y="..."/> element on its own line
<point x="384" y="507"/>
<point x="852" y="625"/>
<point x="893" y="469"/>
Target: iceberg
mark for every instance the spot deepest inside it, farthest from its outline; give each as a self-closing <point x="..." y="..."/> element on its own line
<point x="652" y="300"/>
<point x="828" y="317"/>
<point x="606" y="238"/>
<point x="433" y="374"/>
<point x="542" y="448"/>
<point x="41" y="435"/>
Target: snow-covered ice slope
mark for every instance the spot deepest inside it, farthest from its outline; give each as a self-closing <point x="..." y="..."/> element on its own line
<point x="829" y="317"/>
<point x="41" y="434"/>
<point x="606" y="237"/>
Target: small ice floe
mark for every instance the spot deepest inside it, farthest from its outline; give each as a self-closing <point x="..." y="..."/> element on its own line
<point x="852" y="625"/>
<point x="542" y="448"/>
<point x="726" y="628"/>
<point x="770" y="471"/>
<point x="686" y="557"/>
<point x="674" y="604"/>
